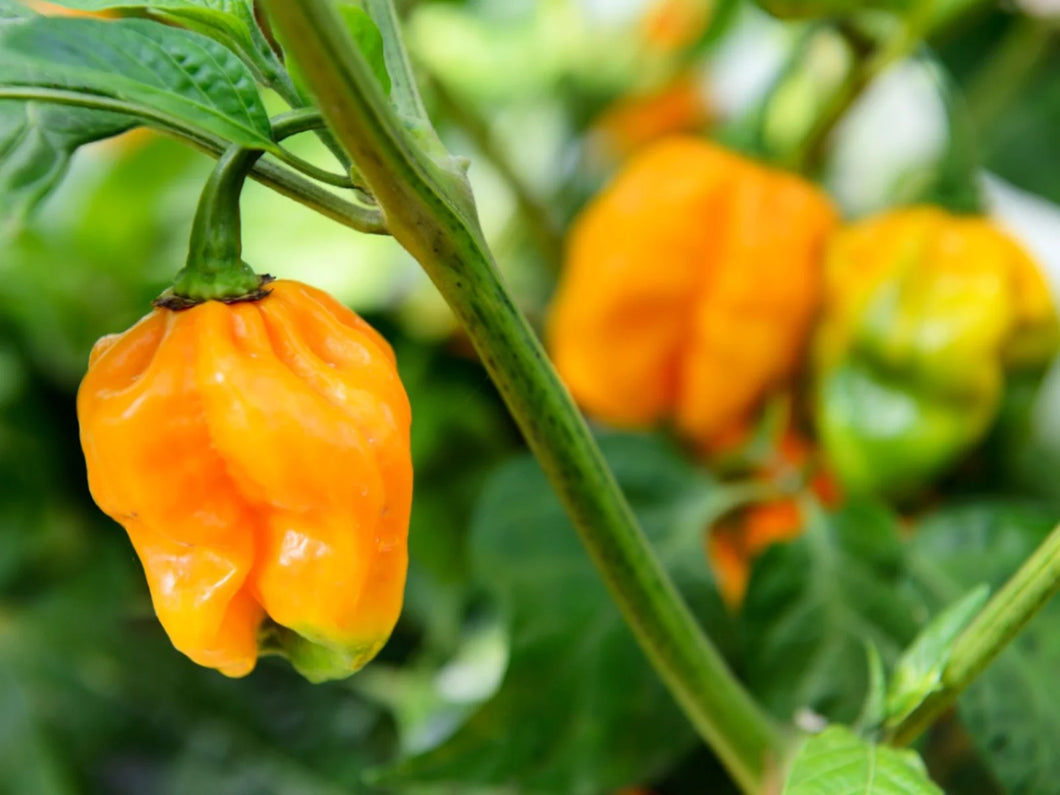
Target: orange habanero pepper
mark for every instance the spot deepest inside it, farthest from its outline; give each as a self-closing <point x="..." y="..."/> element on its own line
<point x="690" y="287"/>
<point x="257" y="453"/>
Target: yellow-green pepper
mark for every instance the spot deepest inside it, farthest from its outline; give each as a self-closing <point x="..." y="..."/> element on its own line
<point x="925" y="316"/>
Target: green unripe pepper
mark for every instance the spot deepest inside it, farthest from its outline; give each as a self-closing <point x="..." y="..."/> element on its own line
<point x="926" y="315"/>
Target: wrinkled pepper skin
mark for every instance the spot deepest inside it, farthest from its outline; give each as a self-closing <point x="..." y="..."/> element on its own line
<point x="926" y="314"/>
<point x="257" y="454"/>
<point x="689" y="289"/>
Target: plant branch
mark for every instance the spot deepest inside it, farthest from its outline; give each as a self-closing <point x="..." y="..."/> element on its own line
<point x="364" y="219"/>
<point x="1036" y="582"/>
<point x="429" y="209"/>
<point x="314" y="171"/>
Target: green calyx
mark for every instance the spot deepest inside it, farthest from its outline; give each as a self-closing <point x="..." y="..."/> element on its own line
<point x="192" y="289"/>
<point x="316" y="657"/>
<point x="215" y="270"/>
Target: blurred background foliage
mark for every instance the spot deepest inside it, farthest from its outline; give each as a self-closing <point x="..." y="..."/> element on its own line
<point x="510" y="670"/>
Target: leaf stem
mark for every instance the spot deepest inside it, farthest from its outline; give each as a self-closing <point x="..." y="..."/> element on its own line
<point x="364" y="219"/>
<point x="1036" y="582"/>
<point x="430" y="211"/>
<point x="314" y="171"/>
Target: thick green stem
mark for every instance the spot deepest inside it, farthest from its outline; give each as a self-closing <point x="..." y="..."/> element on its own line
<point x="215" y="270"/>
<point x="1036" y="582"/>
<point x="429" y="210"/>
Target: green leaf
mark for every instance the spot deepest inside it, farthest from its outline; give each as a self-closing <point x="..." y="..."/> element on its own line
<point x="12" y="11"/>
<point x="1011" y="711"/>
<point x="874" y="708"/>
<point x="37" y="141"/>
<point x="812" y="605"/>
<point x="174" y="77"/>
<point x="569" y="644"/>
<point x="369" y="40"/>
<point x="1018" y="141"/>
<point x="230" y="22"/>
<point x="461" y="434"/>
<point x="838" y="762"/>
<point x="918" y="673"/>
<point x="28" y="762"/>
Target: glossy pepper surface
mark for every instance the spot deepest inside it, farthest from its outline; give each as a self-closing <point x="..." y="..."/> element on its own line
<point x="926" y="314"/>
<point x="689" y="289"/>
<point x="257" y="454"/>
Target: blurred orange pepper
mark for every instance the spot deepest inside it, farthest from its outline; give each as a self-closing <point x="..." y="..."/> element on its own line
<point x="735" y="542"/>
<point x="257" y="453"/>
<point x="679" y="106"/>
<point x="689" y="289"/>
<point x="56" y="10"/>
<point x="674" y="24"/>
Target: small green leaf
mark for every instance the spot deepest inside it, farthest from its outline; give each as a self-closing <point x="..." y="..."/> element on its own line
<point x="812" y="605"/>
<point x="838" y="762"/>
<point x="1011" y="711"/>
<point x="36" y="143"/>
<point x="569" y="644"/>
<point x="230" y="22"/>
<point x="874" y="708"/>
<point x="369" y="40"/>
<point x="37" y="140"/>
<point x="918" y="673"/>
<point x="175" y="77"/>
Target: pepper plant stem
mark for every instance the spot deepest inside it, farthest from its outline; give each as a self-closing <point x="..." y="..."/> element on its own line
<point x="1034" y="584"/>
<point x="428" y="207"/>
<point x="215" y="269"/>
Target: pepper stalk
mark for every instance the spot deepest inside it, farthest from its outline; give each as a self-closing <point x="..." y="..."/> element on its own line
<point x="424" y="196"/>
<point x="214" y="270"/>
